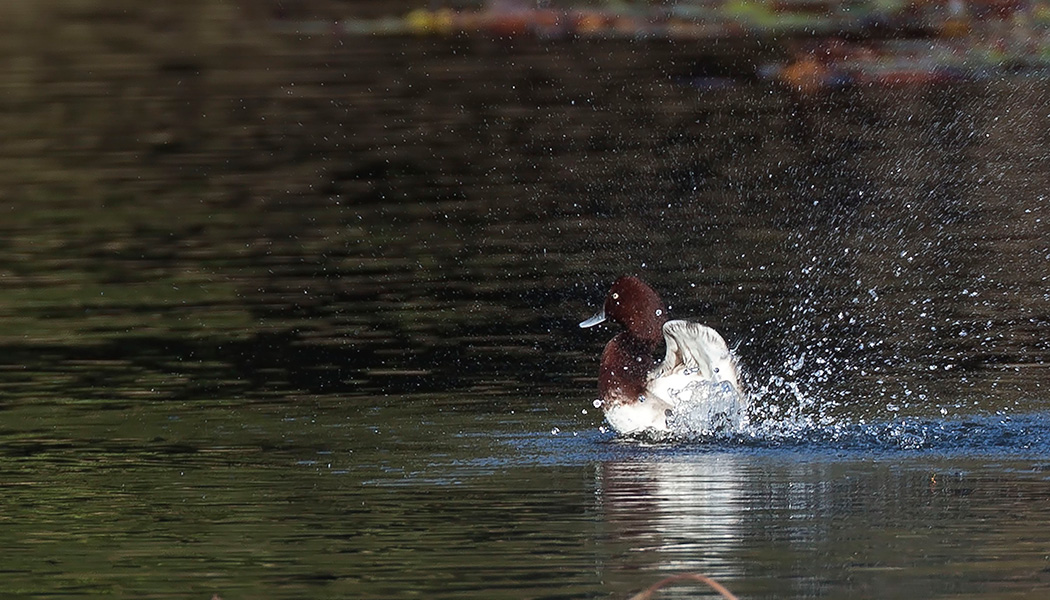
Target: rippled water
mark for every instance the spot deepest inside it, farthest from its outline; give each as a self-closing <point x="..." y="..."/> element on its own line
<point x="322" y="341"/>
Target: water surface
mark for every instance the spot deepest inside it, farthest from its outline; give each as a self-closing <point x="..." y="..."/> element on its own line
<point x="308" y="329"/>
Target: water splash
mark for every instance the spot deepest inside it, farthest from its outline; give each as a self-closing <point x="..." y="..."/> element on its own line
<point x="984" y="434"/>
<point x="709" y="410"/>
<point x="990" y="434"/>
<point x="785" y="413"/>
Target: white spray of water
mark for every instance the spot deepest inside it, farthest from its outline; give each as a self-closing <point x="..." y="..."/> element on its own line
<point x="709" y="410"/>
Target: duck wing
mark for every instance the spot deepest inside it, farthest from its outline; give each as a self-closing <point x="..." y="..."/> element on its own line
<point x="692" y="347"/>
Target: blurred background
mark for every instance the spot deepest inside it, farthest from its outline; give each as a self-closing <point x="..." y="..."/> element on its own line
<point x="289" y="294"/>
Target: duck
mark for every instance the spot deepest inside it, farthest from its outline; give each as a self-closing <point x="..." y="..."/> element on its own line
<point x="638" y="393"/>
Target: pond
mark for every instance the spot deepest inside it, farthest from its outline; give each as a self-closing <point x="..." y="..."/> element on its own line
<point x="306" y="327"/>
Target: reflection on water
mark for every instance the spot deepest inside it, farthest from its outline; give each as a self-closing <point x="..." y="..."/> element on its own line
<point x="687" y="511"/>
<point x="304" y="326"/>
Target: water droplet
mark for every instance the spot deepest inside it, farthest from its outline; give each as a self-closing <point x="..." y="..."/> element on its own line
<point x="598" y="403"/>
<point x="555" y="431"/>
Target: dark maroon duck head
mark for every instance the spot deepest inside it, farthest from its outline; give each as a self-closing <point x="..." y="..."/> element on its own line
<point x="628" y="357"/>
<point x="633" y="304"/>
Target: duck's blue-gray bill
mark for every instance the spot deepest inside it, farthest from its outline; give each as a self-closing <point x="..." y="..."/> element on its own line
<point x="598" y="318"/>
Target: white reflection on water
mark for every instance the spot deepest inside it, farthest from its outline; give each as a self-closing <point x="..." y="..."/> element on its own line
<point x="688" y="510"/>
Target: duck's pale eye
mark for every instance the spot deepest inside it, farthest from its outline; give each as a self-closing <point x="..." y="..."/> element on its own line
<point x="659" y="312"/>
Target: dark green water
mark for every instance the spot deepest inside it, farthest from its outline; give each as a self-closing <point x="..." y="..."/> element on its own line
<point x="308" y="330"/>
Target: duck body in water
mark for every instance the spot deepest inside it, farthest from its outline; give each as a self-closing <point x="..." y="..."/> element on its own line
<point x="639" y="394"/>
